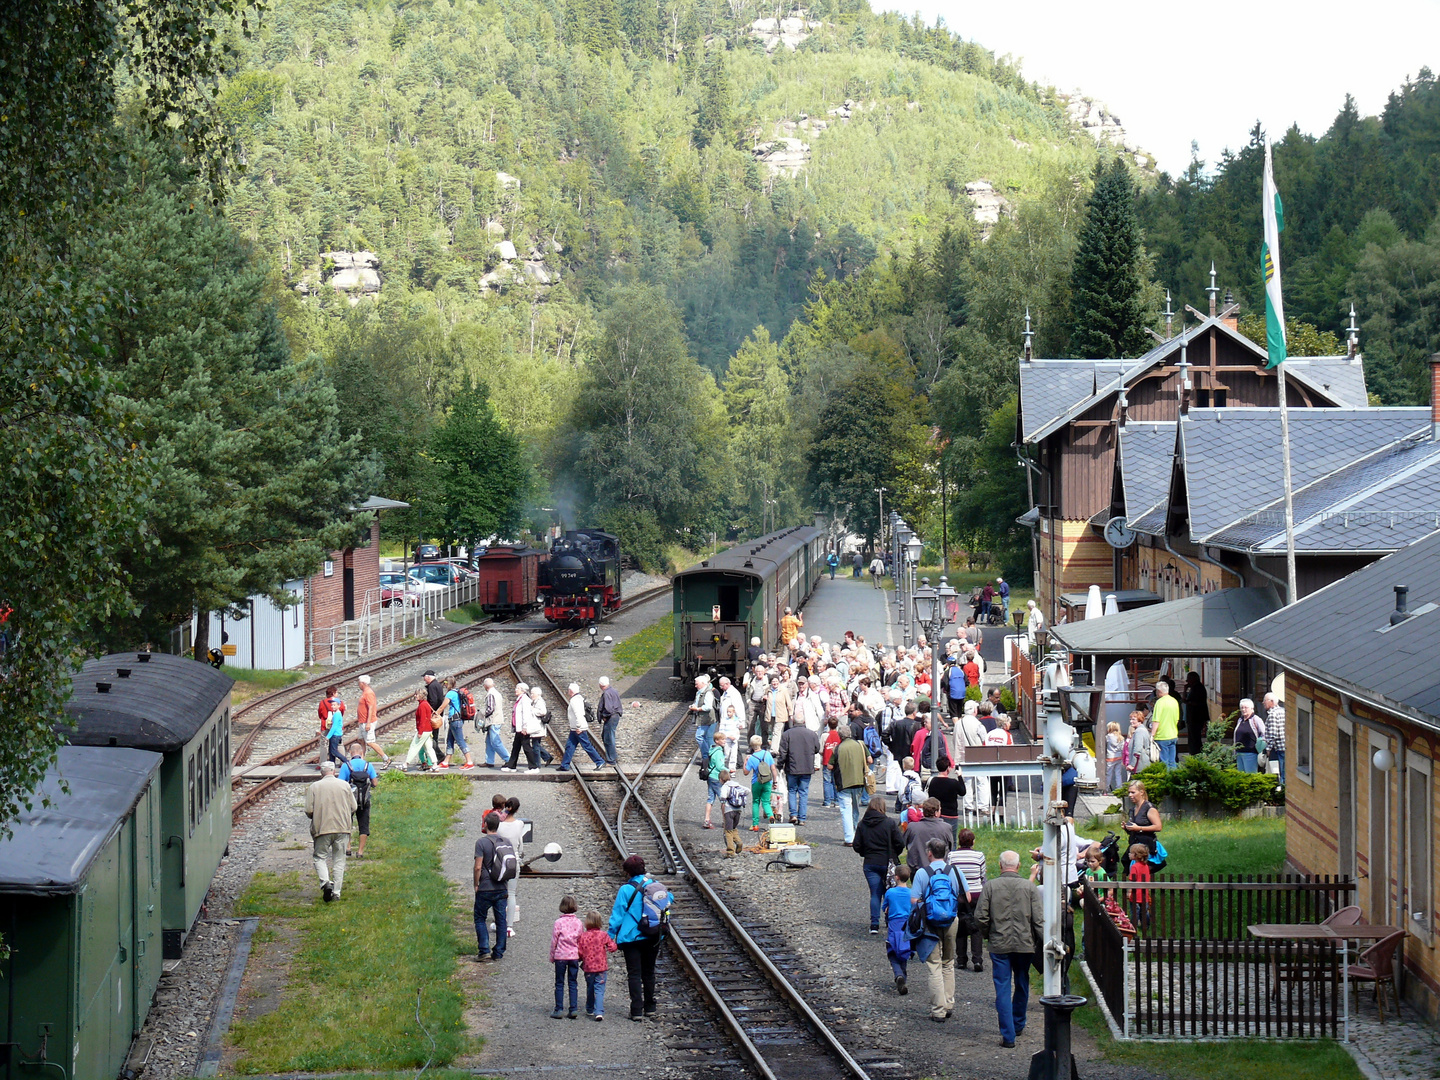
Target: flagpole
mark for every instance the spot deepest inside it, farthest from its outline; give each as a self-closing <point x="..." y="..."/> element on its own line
<point x="1289" y="489"/>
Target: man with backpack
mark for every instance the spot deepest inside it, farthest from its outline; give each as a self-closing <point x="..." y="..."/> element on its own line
<point x="639" y="921"/>
<point x="941" y="904"/>
<point x="495" y="864"/>
<point x="362" y="778"/>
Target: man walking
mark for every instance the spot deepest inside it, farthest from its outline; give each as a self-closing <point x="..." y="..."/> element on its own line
<point x="367" y="715"/>
<point x="491" y="851"/>
<point x="490" y="719"/>
<point x="798" y="747"/>
<point x="1012" y="920"/>
<point x="1275" y="732"/>
<point x="877" y="570"/>
<point x="579" y="731"/>
<point x="610" y="710"/>
<point x="937" y="888"/>
<point x="330" y="804"/>
<point x="849" y="764"/>
<point x="434" y="691"/>
<point x="730" y="695"/>
<point x="362" y="778"/>
<point x="1002" y="589"/>
<point x="832" y="561"/>
<point x="1166" y="717"/>
<point x="455" y="726"/>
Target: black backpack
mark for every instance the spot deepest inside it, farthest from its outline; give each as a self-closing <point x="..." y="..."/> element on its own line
<point x="360" y="784"/>
<point x="589" y="714"/>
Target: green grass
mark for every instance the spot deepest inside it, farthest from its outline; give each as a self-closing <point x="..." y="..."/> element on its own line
<point x="1200" y="847"/>
<point x="466" y="614"/>
<point x="1233" y="1059"/>
<point x="250" y="682"/>
<point x="349" y="1001"/>
<point x="639" y="652"/>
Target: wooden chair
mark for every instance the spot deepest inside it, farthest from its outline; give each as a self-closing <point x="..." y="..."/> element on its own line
<point x="1377" y="965"/>
<point x="1346" y="916"/>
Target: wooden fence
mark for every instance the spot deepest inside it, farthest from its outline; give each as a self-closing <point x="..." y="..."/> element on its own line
<point x="1189" y="969"/>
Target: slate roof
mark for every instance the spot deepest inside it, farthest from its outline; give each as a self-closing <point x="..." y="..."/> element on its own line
<point x="1054" y="392"/>
<point x="160" y="705"/>
<point x="51" y="847"/>
<point x="1383" y="502"/>
<point x="1147" y="456"/>
<point x="1196" y="626"/>
<point x="1390" y="667"/>
<point x="1233" y="464"/>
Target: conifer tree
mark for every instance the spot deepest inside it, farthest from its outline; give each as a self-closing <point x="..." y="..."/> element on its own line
<point x="482" y="473"/>
<point x="1106" y="303"/>
<point x="713" y="122"/>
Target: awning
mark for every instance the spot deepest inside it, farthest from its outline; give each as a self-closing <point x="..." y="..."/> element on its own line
<point x="1030" y="518"/>
<point x="377" y="502"/>
<point x="1125" y="599"/>
<point x="1196" y="626"/>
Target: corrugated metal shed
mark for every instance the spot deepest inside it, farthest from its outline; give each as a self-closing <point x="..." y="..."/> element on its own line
<point x="1392" y="667"/>
<point x="53" y="846"/>
<point x="159" y="705"/>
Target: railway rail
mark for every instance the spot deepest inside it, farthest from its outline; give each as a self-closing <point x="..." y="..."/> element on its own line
<point x="399" y="710"/>
<point x="750" y="983"/>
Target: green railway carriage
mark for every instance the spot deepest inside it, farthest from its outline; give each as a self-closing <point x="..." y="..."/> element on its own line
<point x="80" y="908"/>
<point x="742" y="593"/>
<point x="181" y="709"/>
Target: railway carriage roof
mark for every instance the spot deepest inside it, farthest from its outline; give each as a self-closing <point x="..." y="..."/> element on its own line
<point x="52" y="846"/>
<point x="160" y="705"/>
<point x="757" y="558"/>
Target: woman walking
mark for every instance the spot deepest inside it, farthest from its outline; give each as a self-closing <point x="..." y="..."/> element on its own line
<point x="522" y="720"/>
<point x="638" y="948"/>
<point x="878" y="843"/>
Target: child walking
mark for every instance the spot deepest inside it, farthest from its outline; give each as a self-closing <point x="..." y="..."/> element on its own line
<point x="1114" y="760"/>
<point x="594" y="947"/>
<point x="1140" y="871"/>
<point x="565" y="954"/>
<point x="732" y="805"/>
<point x="896" y="906"/>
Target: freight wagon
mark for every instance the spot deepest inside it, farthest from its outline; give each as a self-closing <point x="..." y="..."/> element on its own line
<point x="742" y="593"/>
<point x="80" y="888"/>
<point x="509" y="575"/>
<point x="179" y="708"/>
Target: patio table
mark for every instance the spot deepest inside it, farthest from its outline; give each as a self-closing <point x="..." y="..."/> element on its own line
<point x="1320" y="932"/>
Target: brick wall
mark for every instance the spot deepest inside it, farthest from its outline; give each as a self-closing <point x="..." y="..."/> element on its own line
<point x="325" y="596"/>
<point x="1313" y="824"/>
<point x="1082" y="559"/>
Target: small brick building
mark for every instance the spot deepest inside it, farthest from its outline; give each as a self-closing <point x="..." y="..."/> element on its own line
<point x="347" y="585"/>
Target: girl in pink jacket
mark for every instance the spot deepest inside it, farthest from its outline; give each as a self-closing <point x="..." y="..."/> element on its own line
<point x="565" y="955"/>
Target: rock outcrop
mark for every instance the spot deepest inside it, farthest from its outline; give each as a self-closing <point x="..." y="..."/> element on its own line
<point x="353" y="272"/>
<point x="988" y="205"/>
<point x="789" y="31"/>
<point x="1096" y="120"/>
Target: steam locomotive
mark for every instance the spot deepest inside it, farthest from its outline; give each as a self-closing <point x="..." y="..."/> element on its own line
<point x="580" y="581"/>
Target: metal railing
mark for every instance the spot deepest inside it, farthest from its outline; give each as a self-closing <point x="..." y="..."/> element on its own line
<point x="380" y="625"/>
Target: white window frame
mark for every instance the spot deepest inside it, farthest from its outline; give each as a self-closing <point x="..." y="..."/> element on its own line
<point x="1303" y="738"/>
<point x="1419" y="763"/>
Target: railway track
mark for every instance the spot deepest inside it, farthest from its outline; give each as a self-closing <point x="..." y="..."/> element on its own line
<point x="399" y="710"/>
<point x="751" y="981"/>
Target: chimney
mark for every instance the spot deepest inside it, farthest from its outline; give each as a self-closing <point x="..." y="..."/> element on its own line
<point x="1232" y="312"/>
<point x="1401" y="612"/>
<point x="1435" y="396"/>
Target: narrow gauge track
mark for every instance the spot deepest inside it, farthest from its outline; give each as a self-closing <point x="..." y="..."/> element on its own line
<point x="399" y="710"/>
<point x="747" y="985"/>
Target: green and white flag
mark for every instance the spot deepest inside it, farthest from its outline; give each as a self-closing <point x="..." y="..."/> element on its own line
<point x="1270" y="263"/>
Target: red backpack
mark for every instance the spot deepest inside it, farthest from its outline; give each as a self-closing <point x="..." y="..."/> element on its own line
<point x="467" y="703"/>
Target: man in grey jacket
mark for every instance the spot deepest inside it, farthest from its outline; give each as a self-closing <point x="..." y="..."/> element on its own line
<point x="1012" y="920"/>
<point x="798" y="749"/>
<point x="330" y="804"/>
<point x="608" y="712"/>
<point x="918" y="833"/>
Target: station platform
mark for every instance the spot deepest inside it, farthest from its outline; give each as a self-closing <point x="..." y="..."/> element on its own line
<point x="851" y="604"/>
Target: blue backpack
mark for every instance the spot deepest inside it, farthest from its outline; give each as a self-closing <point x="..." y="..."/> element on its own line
<point x="942" y="902"/>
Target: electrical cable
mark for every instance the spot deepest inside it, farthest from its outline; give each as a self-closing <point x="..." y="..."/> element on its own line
<point x="427" y="1035"/>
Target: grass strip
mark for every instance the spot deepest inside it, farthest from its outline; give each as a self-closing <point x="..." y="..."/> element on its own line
<point x="466" y="614"/>
<point x="250" y="682"/>
<point x="350" y="995"/>
<point x="1231" y="1059"/>
<point x="639" y="652"/>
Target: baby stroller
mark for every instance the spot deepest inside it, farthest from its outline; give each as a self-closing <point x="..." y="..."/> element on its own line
<point x="997" y="613"/>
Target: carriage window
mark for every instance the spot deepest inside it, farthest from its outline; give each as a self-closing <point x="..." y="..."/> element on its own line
<point x="215" y="761"/>
<point x="226" y="759"/>
<point x="190" y="772"/>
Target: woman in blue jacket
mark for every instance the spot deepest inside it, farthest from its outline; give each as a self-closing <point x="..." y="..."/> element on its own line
<point x="640" y="951"/>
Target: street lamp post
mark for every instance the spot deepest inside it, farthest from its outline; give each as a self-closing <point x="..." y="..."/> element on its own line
<point x="930" y="607"/>
<point x="880" y="540"/>
<point x="902" y="579"/>
<point x="912" y="550"/>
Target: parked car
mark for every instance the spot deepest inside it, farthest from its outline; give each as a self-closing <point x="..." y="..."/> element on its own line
<point x="432" y="577"/>
<point x="427" y="553"/>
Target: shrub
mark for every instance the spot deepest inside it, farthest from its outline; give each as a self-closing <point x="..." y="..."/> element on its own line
<point x="972" y="693"/>
<point x="1199" y="779"/>
<point x="1007" y="700"/>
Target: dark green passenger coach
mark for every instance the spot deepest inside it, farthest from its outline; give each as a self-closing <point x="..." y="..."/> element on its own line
<point x="741" y="594"/>
<point x="80" y="910"/>
<point x="179" y="708"/>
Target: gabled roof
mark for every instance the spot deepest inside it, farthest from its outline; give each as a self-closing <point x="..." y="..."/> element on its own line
<point x="1055" y="392"/>
<point x="51" y="847"/>
<point x="1147" y="456"/>
<point x="1390" y="667"/>
<point x="1196" y="626"/>
<point x="1232" y="457"/>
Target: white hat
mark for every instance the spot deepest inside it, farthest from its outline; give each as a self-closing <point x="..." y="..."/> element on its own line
<point x="327" y="766"/>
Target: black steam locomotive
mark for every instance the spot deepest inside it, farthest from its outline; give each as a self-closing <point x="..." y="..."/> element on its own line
<point x="580" y="581"/>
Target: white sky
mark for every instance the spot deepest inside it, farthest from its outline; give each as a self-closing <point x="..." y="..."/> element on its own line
<point x="1173" y="73"/>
